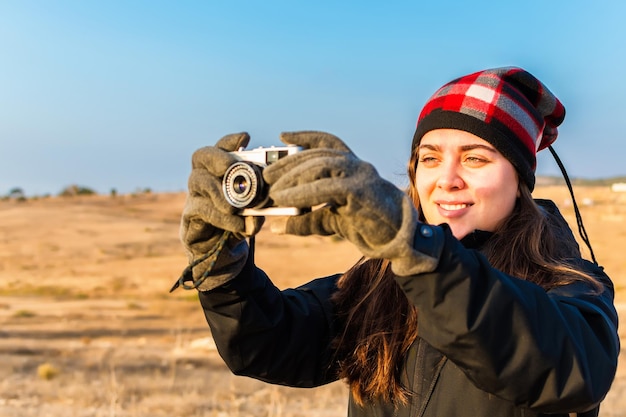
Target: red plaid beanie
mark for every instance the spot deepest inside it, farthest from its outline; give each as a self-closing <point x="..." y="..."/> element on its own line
<point x="507" y="107"/>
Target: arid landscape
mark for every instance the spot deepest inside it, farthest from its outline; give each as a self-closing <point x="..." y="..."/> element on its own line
<point x="88" y="327"/>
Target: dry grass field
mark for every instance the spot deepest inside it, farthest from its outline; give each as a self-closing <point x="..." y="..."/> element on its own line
<point x="88" y="328"/>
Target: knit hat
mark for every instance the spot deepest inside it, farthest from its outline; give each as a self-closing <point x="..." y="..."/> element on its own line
<point x="507" y="107"/>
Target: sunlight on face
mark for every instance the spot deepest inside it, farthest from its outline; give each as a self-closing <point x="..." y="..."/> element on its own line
<point x="464" y="181"/>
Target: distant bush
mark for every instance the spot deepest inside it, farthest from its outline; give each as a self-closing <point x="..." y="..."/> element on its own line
<point x="47" y="371"/>
<point x="16" y="192"/>
<point x="74" y="190"/>
<point x="24" y="314"/>
<point x="141" y="191"/>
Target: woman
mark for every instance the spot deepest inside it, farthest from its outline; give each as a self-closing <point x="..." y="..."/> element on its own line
<point x="473" y="299"/>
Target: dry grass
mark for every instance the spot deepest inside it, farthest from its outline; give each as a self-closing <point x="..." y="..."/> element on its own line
<point x="89" y="329"/>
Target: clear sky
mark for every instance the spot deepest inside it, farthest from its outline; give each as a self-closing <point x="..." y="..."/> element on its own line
<point x="118" y="94"/>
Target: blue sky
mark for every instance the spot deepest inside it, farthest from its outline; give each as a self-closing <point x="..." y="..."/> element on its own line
<point x="118" y="94"/>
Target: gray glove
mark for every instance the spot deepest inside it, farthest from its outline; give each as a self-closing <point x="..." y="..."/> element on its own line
<point x="207" y="214"/>
<point x="372" y="213"/>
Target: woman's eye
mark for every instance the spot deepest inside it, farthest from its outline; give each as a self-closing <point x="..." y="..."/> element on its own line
<point x="427" y="159"/>
<point x="427" y="162"/>
<point x="475" y="160"/>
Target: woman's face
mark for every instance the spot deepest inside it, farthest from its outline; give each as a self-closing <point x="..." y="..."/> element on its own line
<point x="464" y="181"/>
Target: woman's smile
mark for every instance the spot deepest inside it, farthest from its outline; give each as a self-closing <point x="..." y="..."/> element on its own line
<point x="453" y="209"/>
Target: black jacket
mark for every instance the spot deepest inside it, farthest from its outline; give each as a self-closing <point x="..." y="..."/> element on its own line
<point x="489" y="344"/>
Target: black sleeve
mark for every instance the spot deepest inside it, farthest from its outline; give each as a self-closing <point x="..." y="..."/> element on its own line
<point x="281" y="337"/>
<point x="553" y="351"/>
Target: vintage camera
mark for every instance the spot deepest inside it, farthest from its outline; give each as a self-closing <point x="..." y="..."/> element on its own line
<point x="243" y="183"/>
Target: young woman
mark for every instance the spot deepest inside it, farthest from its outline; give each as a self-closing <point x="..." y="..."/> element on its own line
<point x="472" y="298"/>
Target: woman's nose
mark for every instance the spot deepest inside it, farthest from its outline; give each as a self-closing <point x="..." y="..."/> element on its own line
<point x="450" y="177"/>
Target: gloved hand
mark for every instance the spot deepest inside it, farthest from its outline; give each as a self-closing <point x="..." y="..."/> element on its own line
<point x="207" y="214"/>
<point x="373" y="214"/>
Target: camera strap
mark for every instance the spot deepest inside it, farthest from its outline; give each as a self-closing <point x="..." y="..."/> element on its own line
<point x="212" y="255"/>
<point x="579" y="218"/>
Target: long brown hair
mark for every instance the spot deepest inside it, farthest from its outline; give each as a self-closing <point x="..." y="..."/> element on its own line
<point x="381" y="324"/>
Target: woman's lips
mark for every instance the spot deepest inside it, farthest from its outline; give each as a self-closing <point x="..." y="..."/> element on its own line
<point x="453" y="209"/>
<point x="456" y="206"/>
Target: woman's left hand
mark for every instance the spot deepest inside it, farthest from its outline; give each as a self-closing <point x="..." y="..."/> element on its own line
<point x="358" y="204"/>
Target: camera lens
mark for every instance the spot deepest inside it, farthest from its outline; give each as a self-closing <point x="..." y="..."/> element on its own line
<point x="243" y="185"/>
<point x="240" y="184"/>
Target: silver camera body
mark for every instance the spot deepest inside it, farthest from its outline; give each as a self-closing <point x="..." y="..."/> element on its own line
<point x="243" y="184"/>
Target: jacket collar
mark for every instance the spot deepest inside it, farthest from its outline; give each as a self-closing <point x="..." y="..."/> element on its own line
<point x="476" y="239"/>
